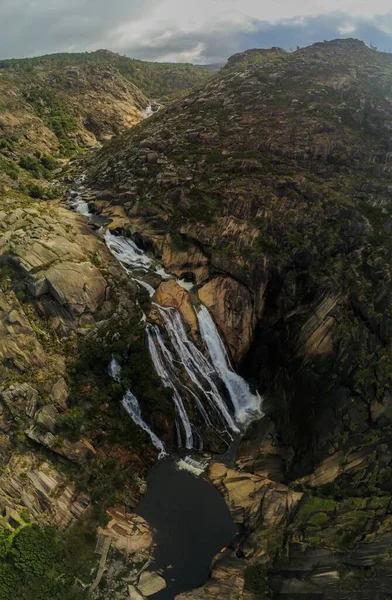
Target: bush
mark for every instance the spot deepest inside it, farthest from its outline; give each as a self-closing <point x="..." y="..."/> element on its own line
<point x="71" y="421"/>
<point x="39" y="192"/>
<point x="36" y="551"/>
<point x="39" y="564"/>
<point x="256" y="580"/>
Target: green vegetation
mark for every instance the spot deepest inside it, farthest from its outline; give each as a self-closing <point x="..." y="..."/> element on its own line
<point x="39" y="166"/>
<point x="39" y="563"/>
<point x="54" y="113"/>
<point x="256" y="580"/>
<point x="156" y="80"/>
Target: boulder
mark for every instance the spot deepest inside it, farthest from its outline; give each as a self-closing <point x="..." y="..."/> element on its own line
<point x="59" y="394"/>
<point x="21" y="400"/>
<point x="170" y="293"/>
<point x="134" y="594"/>
<point x="151" y="583"/>
<point x="79" y="286"/>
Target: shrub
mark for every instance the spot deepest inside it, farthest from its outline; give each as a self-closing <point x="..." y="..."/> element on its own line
<point x="256" y="580"/>
<point x="71" y="421"/>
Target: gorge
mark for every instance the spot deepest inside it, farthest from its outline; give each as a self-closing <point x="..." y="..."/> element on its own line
<point x="231" y="247"/>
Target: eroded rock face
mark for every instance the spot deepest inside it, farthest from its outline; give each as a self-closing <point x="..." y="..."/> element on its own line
<point x="226" y="582"/>
<point x="255" y="502"/>
<point x="47" y="493"/>
<point x="170" y="294"/>
<point x="50" y="248"/>
<point x="129" y="533"/>
<point x="19" y="346"/>
<point x="231" y="305"/>
<point x="79" y="287"/>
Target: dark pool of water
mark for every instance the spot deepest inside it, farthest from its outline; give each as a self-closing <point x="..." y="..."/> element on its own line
<point x="192" y="522"/>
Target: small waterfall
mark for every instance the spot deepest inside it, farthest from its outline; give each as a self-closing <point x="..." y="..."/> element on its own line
<point x="150" y="110"/>
<point x="114" y="369"/>
<point x="146" y="286"/>
<point x="245" y="403"/>
<point x="131" y="257"/>
<point x="163" y="367"/>
<point x="147" y="112"/>
<point x="131" y="405"/>
<point x="79" y="205"/>
<point x="126" y="252"/>
<point x="193" y="466"/>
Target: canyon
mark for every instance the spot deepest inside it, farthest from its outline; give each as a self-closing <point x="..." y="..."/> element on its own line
<point x="213" y="283"/>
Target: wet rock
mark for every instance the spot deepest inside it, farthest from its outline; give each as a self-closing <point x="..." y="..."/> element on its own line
<point x="232" y="308"/>
<point x="170" y="293"/>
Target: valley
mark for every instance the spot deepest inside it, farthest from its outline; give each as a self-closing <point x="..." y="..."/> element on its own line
<point x="194" y="307"/>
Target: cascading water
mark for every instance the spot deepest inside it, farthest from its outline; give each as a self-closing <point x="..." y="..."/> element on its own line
<point x="126" y="252"/>
<point x="114" y="369"/>
<point x="168" y="377"/>
<point x="206" y="376"/>
<point x="246" y="404"/>
<point x="131" y="405"/>
<point x="199" y="370"/>
<point x="79" y="205"/>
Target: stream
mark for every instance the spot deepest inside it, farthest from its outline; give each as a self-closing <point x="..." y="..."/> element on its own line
<point x="191" y="519"/>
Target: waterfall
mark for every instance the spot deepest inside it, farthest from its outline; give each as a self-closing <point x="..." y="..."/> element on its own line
<point x="200" y="371"/>
<point x="79" y="205"/>
<point x="131" y="257"/>
<point x="163" y="367"/>
<point x="114" y="369"/>
<point x="207" y="377"/>
<point x="245" y="403"/>
<point x="131" y="405"/>
<point x="147" y="112"/>
<point x="146" y="286"/>
<point x="126" y="252"/>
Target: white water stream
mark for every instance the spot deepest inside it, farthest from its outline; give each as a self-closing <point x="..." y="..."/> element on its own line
<point x="131" y="405"/>
<point x="211" y="379"/>
<point x="246" y="404"/>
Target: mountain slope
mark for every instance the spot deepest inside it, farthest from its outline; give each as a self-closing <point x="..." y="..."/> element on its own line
<point x="54" y="106"/>
<point x="271" y="189"/>
<point x="154" y="79"/>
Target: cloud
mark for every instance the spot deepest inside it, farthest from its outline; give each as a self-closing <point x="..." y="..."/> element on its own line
<point x="177" y="30"/>
<point x="33" y="27"/>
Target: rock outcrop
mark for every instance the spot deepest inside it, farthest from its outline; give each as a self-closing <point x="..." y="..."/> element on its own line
<point x="277" y="172"/>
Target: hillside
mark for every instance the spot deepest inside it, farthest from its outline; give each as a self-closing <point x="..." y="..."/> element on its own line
<point x="270" y="189"/>
<point x="52" y="107"/>
<point x="155" y="80"/>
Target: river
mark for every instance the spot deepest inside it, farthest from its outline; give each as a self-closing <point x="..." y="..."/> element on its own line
<point x="191" y="519"/>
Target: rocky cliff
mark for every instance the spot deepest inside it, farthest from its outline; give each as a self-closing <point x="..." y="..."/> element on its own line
<point x="270" y="189"/>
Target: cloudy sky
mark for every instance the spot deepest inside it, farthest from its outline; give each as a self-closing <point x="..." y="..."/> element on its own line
<point x="201" y="31"/>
